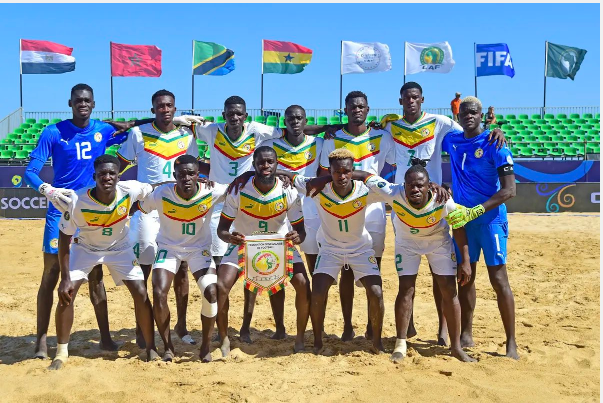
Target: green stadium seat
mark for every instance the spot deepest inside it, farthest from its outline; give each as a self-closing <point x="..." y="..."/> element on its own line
<point x="597" y="126"/>
<point x="499" y="117"/>
<point x="371" y="118"/>
<point x="55" y="121"/>
<point x="38" y="126"/>
<point x="519" y="127"/>
<point x="570" y="151"/>
<point x="536" y="116"/>
<point x="551" y="132"/>
<point x="311" y="120"/>
<point x="593" y="132"/>
<point x="29" y="148"/>
<point x="571" y="138"/>
<point x="515" y="151"/>
<point x="322" y="120"/>
<point x="511" y="116"/>
<point x="573" y="127"/>
<point x="557" y="138"/>
<point x="579" y="121"/>
<point x="44" y="121"/>
<point x="494" y="126"/>
<point x="586" y="126"/>
<point x="248" y="119"/>
<point x="530" y="138"/>
<point x="26" y="136"/>
<point x="19" y="130"/>
<point x="587" y="116"/>
<point x="537" y="133"/>
<point x="574" y="116"/>
<point x="532" y="128"/>
<point x="556" y="151"/>
<point x="541" y="151"/>
<point x="515" y="122"/>
<point x="565" y="133"/>
<point x="13" y="136"/>
<point x="132" y="119"/>
<point x="6" y="141"/>
<point x="220" y="119"/>
<point x="120" y="119"/>
<point x="526" y="151"/>
<point x="344" y="120"/>
<point x="515" y="138"/>
<point x="506" y="127"/>
<point x="580" y="133"/>
<point x="561" y="116"/>
<point x="553" y="121"/>
<point x="546" y="127"/>
<point x="592" y="121"/>
<point x="31" y="121"/>
<point x="558" y="127"/>
<point x="281" y="122"/>
<point x="593" y="149"/>
<point x="549" y="116"/>
<point x="541" y="122"/>
<point x="334" y="120"/>
<point x="526" y="122"/>
<point x="598" y="116"/>
<point x="523" y="116"/>
<point x="21" y="155"/>
<point x="272" y="122"/>
<point x="6" y="154"/>
<point x="259" y="119"/>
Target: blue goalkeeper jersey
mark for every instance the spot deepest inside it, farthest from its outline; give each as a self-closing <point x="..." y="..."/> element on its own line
<point x="475" y="172"/>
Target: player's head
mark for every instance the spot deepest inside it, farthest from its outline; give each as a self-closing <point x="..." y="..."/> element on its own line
<point x="356" y="107"/>
<point x="265" y="163"/>
<point x="81" y="101"/>
<point x="295" y="119"/>
<point x="457" y="95"/>
<point x="416" y="183"/>
<point x="106" y="173"/>
<point x="411" y="98"/>
<point x="341" y="167"/>
<point x="235" y="111"/>
<point x="164" y="106"/>
<point x="186" y="173"/>
<point x="470" y="114"/>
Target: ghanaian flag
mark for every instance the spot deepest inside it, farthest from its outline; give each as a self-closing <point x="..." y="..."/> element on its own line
<point x="284" y="57"/>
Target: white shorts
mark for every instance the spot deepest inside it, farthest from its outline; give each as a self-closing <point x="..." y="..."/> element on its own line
<point x="218" y="246"/>
<point x="143" y="234"/>
<point x="231" y="257"/>
<point x="375" y="217"/>
<point x="122" y="264"/>
<point x="309" y="245"/>
<point x="378" y="243"/>
<point x="362" y="264"/>
<point x="440" y="255"/>
<point x="170" y="259"/>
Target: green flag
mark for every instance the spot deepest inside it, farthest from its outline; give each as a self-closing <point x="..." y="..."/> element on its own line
<point x="563" y="61"/>
<point x="212" y="59"/>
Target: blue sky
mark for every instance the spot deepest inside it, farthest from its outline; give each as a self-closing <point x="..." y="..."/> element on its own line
<point x="320" y="27"/>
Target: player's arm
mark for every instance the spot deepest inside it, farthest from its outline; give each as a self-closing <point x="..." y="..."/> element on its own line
<point x="204" y="168"/>
<point x="121" y="127"/>
<point x="65" y="286"/>
<point x="229" y="212"/>
<point x="464" y="270"/>
<point x="296" y="217"/>
<point x="328" y="130"/>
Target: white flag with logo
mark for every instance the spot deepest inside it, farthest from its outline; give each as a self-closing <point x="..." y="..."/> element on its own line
<point x="428" y="58"/>
<point x="365" y="57"/>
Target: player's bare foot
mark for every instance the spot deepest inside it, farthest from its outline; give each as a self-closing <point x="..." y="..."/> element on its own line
<point x="245" y="336"/>
<point x="318" y="348"/>
<point x="110" y="345"/>
<point x="467" y="340"/>
<point x="41" y="355"/>
<point x="442" y="341"/>
<point x="140" y="339"/>
<point x="348" y="334"/>
<point x="397" y="357"/>
<point x="461" y="355"/>
<point x="377" y="348"/>
<point x="280" y="334"/>
<point x="152" y="355"/>
<point x="204" y="354"/>
<point x="182" y="332"/>
<point x="512" y="349"/>
<point x="41" y="349"/>
<point x="168" y="356"/>
<point x="225" y="347"/>
<point x="368" y="334"/>
<point x="299" y="345"/>
<point x="57" y="364"/>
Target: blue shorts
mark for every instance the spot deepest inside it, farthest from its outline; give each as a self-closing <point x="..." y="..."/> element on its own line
<point x="491" y="238"/>
<point x="51" y="232"/>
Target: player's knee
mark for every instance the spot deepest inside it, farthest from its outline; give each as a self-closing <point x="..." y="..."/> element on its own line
<point x="300" y="282"/>
<point x="375" y="293"/>
<point x="160" y="295"/>
<point x="211" y="293"/>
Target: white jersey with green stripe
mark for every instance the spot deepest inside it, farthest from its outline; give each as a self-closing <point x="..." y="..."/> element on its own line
<point x="103" y="227"/>
<point x="421" y="139"/>
<point x="427" y="223"/>
<point x="255" y="212"/>
<point x="155" y="151"/>
<point x="231" y="158"/>
<point x="184" y="223"/>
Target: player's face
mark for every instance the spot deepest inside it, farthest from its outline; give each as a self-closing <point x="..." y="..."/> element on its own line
<point x="164" y="108"/>
<point x="357" y="109"/>
<point x="235" y="115"/>
<point x="411" y="101"/>
<point x="341" y="172"/>
<point x="295" y="120"/>
<point x="265" y="166"/>
<point x="470" y="116"/>
<point x="186" y="176"/>
<point x="106" y="177"/>
<point x="81" y="104"/>
<point x="416" y="187"/>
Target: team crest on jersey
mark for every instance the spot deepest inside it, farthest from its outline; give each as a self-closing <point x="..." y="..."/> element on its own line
<point x="381" y="185"/>
<point x="425" y="132"/>
<point x="431" y="219"/>
<point x="308" y="155"/>
<point x="279" y="206"/>
<point x="205" y="253"/>
<point x="357" y="204"/>
<point x="246" y="147"/>
<point x="181" y="145"/>
<point x="371" y="146"/>
<point x="98" y="137"/>
<point x="372" y="260"/>
<point x="202" y="208"/>
<point x="478" y="153"/>
<point x="54" y="243"/>
<point x="121" y="210"/>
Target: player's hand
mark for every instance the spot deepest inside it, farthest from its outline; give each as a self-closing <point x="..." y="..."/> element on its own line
<point x="65" y="292"/>
<point x="462" y="215"/>
<point x="209" y="184"/>
<point x="239" y="182"/>
<point x="315" y="185"/>
<point x="120" y="127"/>
<point x="286" y="181"/>
<point x="330" y="131"/>
<point x="390" y="117"/>
<point x="441" y="194"/>
<point x="463" y="273"/>
<point x="61" y="198"/>
<point x="187" y="120"/>
<point x="375" y="125"/>
<point x="497" y="136"/>
<point x="294" y="237"/>
<point x="236" y="238"/>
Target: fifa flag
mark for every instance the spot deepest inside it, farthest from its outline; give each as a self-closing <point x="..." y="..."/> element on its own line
<point x="284" y="57"/>
<point x="563" y="61"/>
<point x="43" y="57"/>
<point x="135" y="60"/>
<point x="493" y="60"/>
<point x="427" y="58"/>
<point x="211" y="59"/>
<point x="365" y="57"/>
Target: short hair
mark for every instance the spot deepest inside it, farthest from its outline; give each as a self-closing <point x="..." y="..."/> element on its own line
<point x="291" y="107"/>
<point x="409" y="86"/>
<point x="185" y="159"/>
<point x="416" y="167"/>
<point x="106" y="159"/>
<point x="458" y="93"/>
<point x="82" y="87"/>
<point x="355" y="94"/>
<point x="340" y="154"/>
<point x="262" y="149"/>
<point x="471" y="100"/>
<point x="162" y="93"/>
<point x="234" y="100"/>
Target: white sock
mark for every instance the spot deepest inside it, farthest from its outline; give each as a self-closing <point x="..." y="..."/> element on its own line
<point x="400" y="347"/>
<point x="62" y="352"/>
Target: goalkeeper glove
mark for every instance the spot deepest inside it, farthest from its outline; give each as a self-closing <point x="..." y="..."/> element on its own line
<point x="187" y="120"/>
<point x="59" y="197"/>
<point x="462" y="215"/>
<point x="390" y="117"/>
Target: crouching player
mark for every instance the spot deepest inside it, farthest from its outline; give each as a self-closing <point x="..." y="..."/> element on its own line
<point x="184" y="236"/>
<point x="99" y="218"/>
<point x="421" y="229"/>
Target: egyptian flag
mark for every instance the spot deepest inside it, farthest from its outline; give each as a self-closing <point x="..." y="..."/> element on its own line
<point x="43" y="57"/>
<point x="284" y="57"/>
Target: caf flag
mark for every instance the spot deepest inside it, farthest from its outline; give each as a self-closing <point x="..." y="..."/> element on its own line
<point x="563" y="61"/>
<point x="135" y="60"/>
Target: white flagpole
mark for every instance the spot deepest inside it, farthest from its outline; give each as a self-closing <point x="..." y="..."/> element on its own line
<point x="404" y="63"/>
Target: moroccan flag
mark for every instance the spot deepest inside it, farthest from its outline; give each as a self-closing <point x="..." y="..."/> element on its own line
<point x="211" y="59"/>
<point x="563" y="61"/>
<point x="43" y="57"/>
<point x="284" y="57"/>
<point x="135" y="60"/>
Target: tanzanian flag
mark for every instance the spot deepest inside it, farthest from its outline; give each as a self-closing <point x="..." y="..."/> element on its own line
<point x="211" y="59"/>
<point x="284" y="57"/>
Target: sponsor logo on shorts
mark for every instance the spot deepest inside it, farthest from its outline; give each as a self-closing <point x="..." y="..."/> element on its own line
<point x="478" y="153"/>
<point x="357" y="204"/>
<point x="206" y="253"/>
<point x="98" y="137"/>
<point x="265" y="262"/>
<point x="453" y="257"/>
<point x="54" y="243"/>
<point x="135" y="263"/>
<point x="121" y="210"/>
<point x="372" y="260"/>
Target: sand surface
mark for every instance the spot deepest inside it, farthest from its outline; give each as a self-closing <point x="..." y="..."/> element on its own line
<point x="554" y="274"/>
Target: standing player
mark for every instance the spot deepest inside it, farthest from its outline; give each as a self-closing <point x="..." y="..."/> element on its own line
<point x="263" y="205"/>
<point x="184" y="236"/>
<point x="154" y="147"/>
<point x="371" y="149"/>
<point x="99" y="217"/>
<point x="483" y="177"/>
<point x="73" y="145"/>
